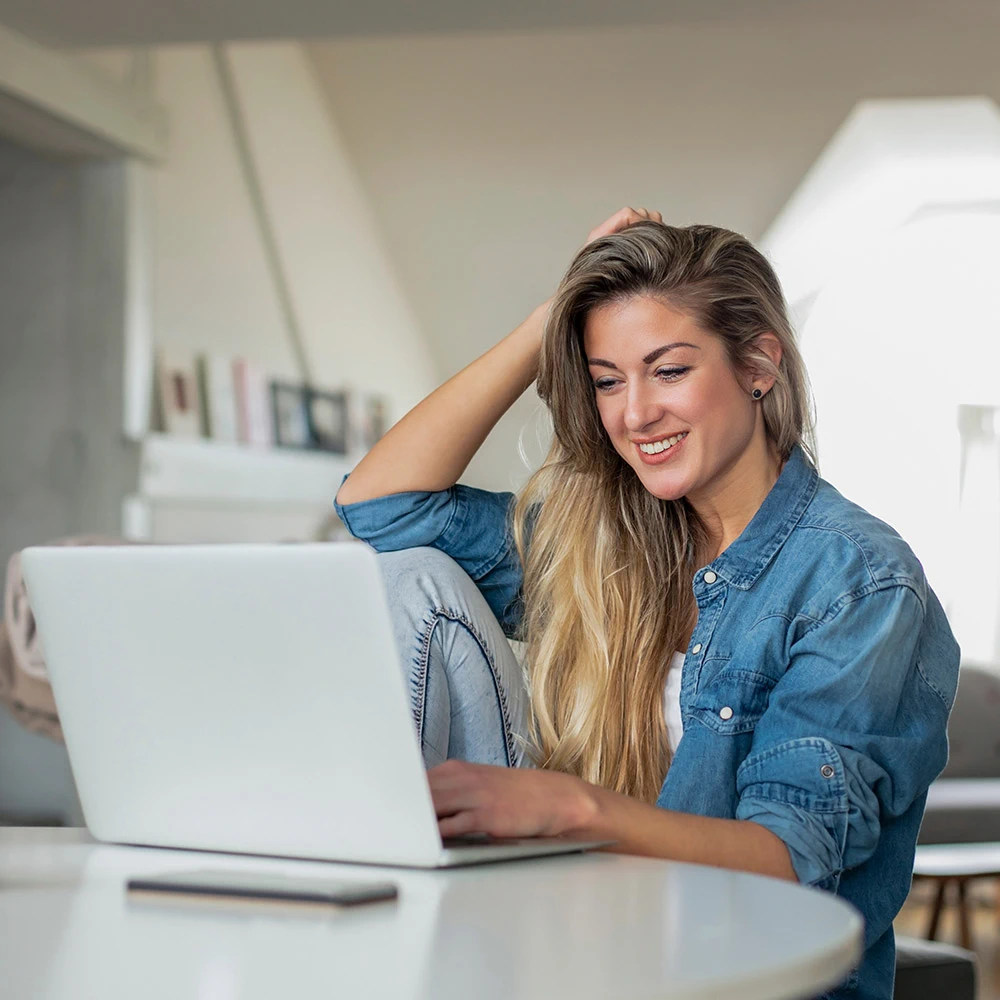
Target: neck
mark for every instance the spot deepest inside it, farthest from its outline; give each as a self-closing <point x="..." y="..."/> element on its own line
<point x="727" y="505"/>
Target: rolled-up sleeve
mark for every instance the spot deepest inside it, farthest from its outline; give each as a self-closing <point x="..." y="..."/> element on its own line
<point x="853" y="733"/>
<point x="468" y="524"/>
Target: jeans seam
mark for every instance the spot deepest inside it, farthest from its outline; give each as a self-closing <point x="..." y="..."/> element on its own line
<point x="419" y="695"/>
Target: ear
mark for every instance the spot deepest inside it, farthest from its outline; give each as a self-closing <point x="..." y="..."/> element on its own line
<point x="768" y="344"/>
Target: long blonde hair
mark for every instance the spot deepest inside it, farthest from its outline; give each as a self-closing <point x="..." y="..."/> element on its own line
<point x="608" y="566"/>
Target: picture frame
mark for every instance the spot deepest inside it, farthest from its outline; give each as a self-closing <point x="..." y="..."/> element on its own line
<point x="376" y="421"/>
<point x="290" y="415"/>
<point x="179" y="401"/>
<point x="329" y="426"/>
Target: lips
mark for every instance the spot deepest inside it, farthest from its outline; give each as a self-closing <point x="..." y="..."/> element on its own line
<point x="655" y="446"/>
<point x="665" y="454"/>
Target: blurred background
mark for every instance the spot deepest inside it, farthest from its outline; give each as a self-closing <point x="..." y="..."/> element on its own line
<point x="238" y="238"/>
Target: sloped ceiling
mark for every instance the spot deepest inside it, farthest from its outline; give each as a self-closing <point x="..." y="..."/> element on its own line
<point x="156" y="22"/>
<point x="148" y="22"/>
<point x="488" y="158"/>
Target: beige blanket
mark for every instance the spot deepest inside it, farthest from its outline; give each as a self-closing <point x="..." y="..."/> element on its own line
<point x="24" y="681"/>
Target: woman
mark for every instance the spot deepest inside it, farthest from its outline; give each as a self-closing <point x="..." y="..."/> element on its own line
<point x="678" y="521"/>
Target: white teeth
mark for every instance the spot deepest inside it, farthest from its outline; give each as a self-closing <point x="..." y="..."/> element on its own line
<point x="656" y="447"/>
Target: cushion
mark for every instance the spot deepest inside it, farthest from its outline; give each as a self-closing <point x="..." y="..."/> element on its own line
<point x="930" y="970"/>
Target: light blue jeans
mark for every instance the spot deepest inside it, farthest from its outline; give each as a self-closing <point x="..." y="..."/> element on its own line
<point x="467" y="689"/>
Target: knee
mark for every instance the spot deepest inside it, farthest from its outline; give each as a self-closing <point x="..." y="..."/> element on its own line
<point x="419" y="576"/>
<point x="418" y="561"/>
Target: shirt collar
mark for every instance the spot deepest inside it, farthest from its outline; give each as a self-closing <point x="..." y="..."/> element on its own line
<point x="743" y="562"/>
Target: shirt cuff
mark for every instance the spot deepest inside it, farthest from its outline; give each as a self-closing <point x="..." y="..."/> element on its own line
<point x="797" y="790"/>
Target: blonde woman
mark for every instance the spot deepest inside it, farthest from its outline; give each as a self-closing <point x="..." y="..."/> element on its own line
<point x="727" y="661"/>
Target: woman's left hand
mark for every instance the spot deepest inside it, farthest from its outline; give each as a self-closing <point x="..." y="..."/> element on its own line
<point x="508" y="802"/>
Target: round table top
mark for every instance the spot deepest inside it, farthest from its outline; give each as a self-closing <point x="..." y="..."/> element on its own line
<point x="957" y="860"/>
<point x="583" y="926"/>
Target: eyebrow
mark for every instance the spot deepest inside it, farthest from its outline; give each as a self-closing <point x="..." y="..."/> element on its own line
<point x="648" y="359"/>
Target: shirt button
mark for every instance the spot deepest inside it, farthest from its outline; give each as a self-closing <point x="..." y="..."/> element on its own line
<point x="826" y="770"/>
<point x="726" y="713"/>
<point x="709" y="577"/>
<point x="696" y="648"/>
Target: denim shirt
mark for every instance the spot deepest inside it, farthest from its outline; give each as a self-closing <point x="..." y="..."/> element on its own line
<point x="815" y="691"/>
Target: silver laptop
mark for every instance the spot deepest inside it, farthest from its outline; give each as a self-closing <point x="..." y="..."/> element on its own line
<point x="242" y="698"/>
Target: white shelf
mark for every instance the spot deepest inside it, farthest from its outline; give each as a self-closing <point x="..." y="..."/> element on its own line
<point x="193" y="469"/>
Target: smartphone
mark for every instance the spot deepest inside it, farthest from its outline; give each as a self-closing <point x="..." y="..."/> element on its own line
<point x="248" y="886"/>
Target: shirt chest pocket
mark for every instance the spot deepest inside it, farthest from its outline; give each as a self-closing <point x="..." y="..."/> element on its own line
<point x="732" y="701"/>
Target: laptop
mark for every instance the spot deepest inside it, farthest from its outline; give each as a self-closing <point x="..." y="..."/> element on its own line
<point x="241" y="698"/>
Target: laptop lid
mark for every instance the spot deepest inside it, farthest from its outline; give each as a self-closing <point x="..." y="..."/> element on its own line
<point x="236" y="698"/>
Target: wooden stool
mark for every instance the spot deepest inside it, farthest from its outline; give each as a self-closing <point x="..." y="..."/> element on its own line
<point x="958" y="863"/>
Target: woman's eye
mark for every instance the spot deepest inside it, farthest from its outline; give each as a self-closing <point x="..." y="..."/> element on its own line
<point x="604" y="384"/>
<point x="670" y="374"/>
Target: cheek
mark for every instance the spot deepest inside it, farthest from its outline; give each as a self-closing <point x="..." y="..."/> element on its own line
<point x="610" y="415"/>
<point x="714" y="403"/>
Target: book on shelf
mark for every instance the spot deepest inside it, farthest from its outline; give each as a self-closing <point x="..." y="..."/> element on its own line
<point x="218" y="392"/>
<point x="253" y="404"/>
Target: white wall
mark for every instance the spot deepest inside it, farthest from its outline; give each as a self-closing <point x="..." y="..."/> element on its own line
<point x="488" y="157"/>
<point x="211" y="287"/>
<point x="211" y="284"/>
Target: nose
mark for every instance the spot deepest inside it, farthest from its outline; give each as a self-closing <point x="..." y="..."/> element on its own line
<point x="641" y="407"/>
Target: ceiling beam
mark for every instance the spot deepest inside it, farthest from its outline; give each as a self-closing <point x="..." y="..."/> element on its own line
<point x="59" y="101"/>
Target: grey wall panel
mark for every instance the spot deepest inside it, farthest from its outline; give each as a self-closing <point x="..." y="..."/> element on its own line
<point x="64" y="464"/>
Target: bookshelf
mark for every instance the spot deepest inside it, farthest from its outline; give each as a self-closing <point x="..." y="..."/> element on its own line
<point x="195" y="489"/>
<point x="175" y="468"/>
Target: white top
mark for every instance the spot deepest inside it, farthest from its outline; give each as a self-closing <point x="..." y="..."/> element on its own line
<point x="672" y="701"/>
<point x="588" y="927"/>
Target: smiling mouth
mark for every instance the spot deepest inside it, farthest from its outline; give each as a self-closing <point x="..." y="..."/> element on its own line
<point x="664" y="444"/>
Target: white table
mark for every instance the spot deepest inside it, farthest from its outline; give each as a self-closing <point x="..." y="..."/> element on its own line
<point x="580" y="927"/>
<point x="958" y="863"/>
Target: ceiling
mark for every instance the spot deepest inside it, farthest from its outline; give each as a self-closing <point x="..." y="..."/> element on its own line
<point x="487" y="158"/>
<point x="154" y="22"/>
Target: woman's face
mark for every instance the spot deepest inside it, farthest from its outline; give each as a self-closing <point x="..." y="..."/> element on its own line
<point x="668" y="397"/>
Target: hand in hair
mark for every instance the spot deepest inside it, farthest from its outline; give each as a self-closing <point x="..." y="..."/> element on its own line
<point x="506" y="802"/>
<point x="622" y="218"/>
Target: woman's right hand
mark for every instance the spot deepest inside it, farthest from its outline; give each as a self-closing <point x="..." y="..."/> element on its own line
<point x="622" y="218"/>
<point x="429" y="449"/>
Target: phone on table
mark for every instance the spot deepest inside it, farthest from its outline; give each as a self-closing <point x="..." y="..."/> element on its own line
<point x="236" y="886"/>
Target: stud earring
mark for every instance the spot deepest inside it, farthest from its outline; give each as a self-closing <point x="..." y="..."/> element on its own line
<point x="756" y="394"/>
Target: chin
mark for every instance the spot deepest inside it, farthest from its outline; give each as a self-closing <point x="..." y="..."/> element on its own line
<point x="669" y="487"/>
<point x="667" y="494"/>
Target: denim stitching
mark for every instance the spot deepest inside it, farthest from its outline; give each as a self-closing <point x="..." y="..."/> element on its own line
<point x="419" y="696"/>
<point x="859" y="594"/>
<point x="490" y="563"/>
<point x="812" y="742"/>
<point x="941" y="694"/>
<point x="840" y="531"/>
<point x="419" y="693"/>
<point x="451" y="517"/>
<point x="772" y="614"/>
